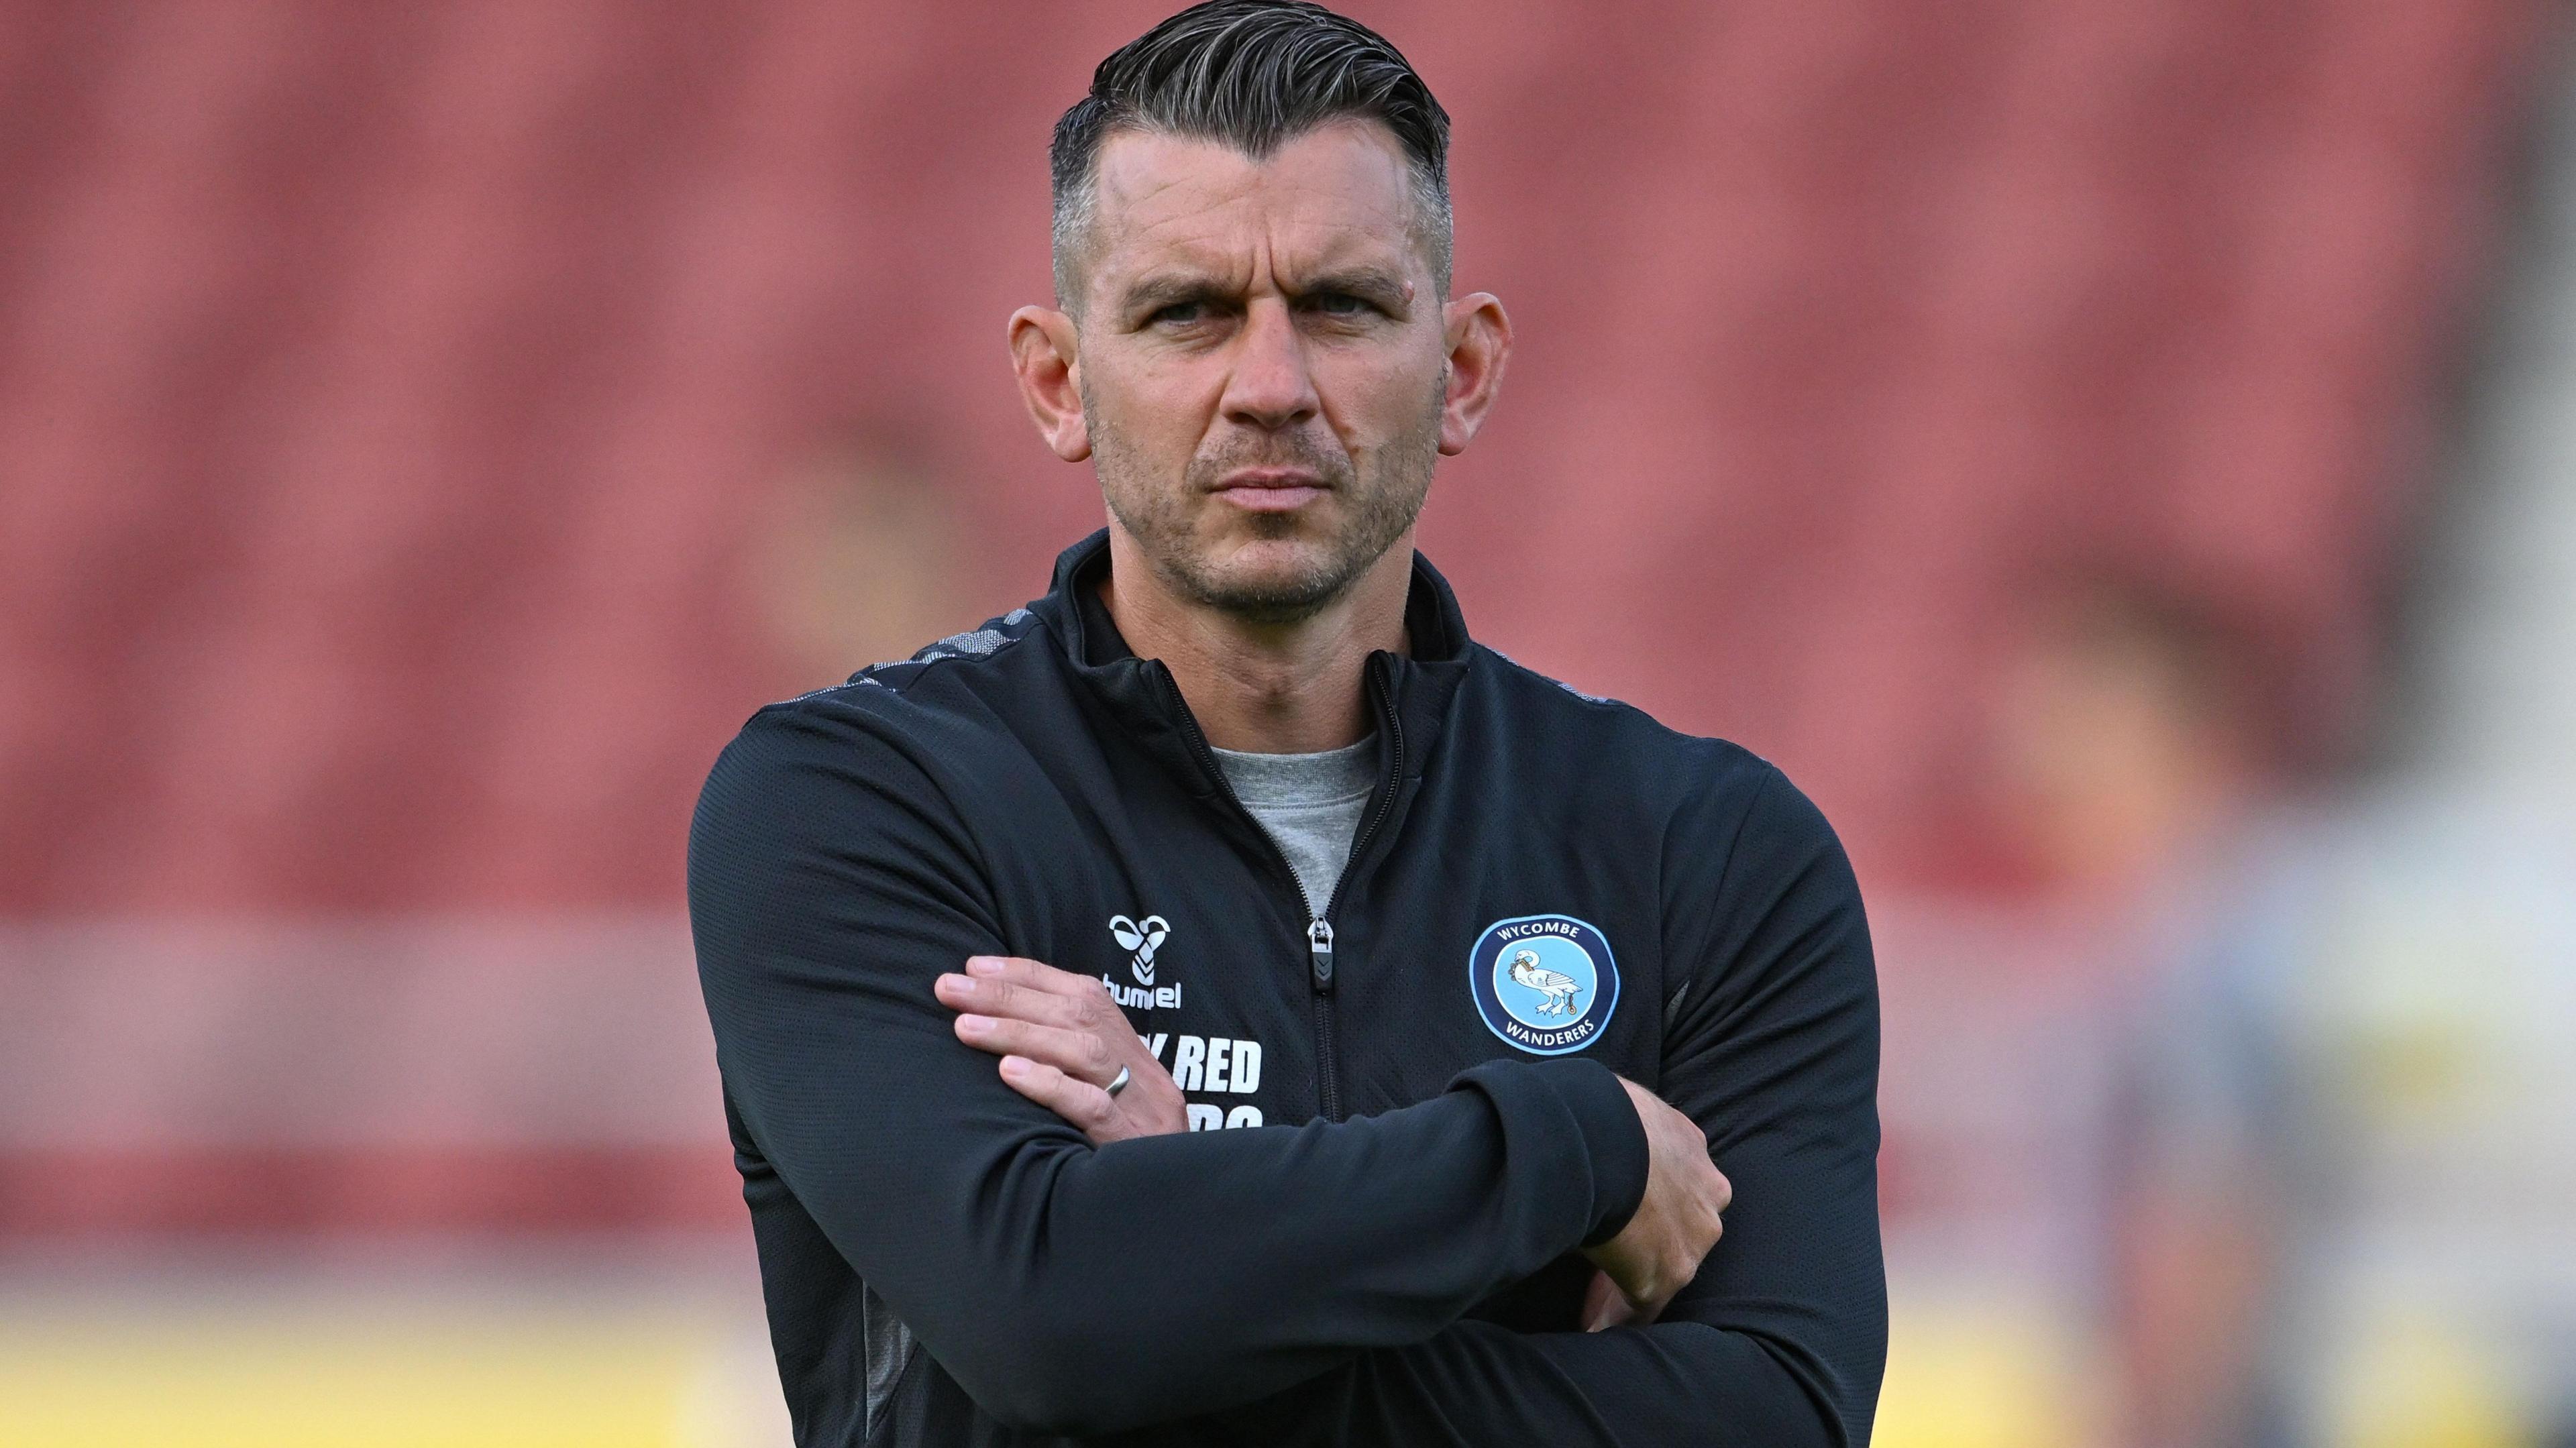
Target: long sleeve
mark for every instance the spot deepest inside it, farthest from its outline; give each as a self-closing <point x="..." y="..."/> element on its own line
<point x="1772" y="1046"/>
<point x="1066" y="1287"/>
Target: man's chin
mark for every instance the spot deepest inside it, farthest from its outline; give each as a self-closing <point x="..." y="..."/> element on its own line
<point x="1271" y="561"/>
<point x="1271" y="581"/>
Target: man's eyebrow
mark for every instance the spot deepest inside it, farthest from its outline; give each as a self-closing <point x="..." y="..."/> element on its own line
<point x="1153" y="293"/>
<point x="1368" y="283"/>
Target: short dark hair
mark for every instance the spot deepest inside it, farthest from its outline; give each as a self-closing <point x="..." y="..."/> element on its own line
<point x="1252" y="74"/>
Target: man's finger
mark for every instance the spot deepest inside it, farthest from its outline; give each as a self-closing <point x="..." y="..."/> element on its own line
<point x="1604" y="1305"/>
<point x="1079" y="1053"/>
<point x="1085" y="1106"/>
<point x="1034" y="974"/>
<point x="987" y="996"/>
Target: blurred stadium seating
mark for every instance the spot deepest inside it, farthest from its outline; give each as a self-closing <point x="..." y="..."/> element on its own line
<point x="400" y="403"/>
<point x="389" y="391"/>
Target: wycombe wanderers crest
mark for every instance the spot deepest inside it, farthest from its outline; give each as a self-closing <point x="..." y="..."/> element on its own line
<point x="1545" y="983"/>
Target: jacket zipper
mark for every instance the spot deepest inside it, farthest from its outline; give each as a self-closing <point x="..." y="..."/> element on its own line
<point x="1319" y="923"/>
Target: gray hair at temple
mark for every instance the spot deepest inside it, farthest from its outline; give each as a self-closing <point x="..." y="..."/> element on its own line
<point x="1251" y="74"/>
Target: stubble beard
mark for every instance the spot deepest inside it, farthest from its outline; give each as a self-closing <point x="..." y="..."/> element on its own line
<point x="1374" y="513"/>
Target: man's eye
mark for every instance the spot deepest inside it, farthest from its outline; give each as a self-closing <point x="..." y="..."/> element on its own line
<point x="1339" y="304"/>
<point x="1178" y="313"/>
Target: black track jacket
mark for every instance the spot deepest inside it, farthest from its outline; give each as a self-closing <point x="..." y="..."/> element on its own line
<point x="1546" y="889"/>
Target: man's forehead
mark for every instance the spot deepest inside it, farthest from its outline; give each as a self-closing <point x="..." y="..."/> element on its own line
<point x="1339" y="194"/>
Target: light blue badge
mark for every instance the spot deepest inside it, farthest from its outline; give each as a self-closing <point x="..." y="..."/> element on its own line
<point x="1545" y="983"/>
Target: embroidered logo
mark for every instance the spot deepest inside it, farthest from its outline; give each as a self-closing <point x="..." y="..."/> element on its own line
<point x="1142" y="939"/>
<point x="1545" y="983"/>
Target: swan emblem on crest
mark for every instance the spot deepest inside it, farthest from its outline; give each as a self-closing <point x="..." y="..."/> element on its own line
<point x="1559" y="988"/>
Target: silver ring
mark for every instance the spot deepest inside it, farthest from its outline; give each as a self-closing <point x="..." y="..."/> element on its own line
<point x="1117" y="1085"/>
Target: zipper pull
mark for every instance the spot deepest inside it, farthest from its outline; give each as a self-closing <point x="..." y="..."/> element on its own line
<point x="1319" y="944"/>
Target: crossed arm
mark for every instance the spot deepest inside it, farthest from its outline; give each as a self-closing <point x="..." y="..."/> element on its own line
<point x="1301" y="1284"/>
<point x="1066" y="1046"/>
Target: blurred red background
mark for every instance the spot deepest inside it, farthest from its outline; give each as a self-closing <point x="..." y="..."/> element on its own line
<point x="431" y="430"/>
<point x="394" y="393"/>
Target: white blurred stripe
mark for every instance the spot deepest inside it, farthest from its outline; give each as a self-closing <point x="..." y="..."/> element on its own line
<point x="124" y="1035"/>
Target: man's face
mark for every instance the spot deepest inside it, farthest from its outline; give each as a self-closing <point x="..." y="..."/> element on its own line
<point x="1261" y="361"/>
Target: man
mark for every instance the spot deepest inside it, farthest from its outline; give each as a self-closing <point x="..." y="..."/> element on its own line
<point x="1347" y="876"/>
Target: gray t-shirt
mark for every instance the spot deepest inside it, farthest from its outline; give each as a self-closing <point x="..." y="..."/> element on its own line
<point x="1310" y="804"/>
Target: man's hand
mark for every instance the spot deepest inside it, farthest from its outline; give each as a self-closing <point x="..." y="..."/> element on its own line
<point x="1062" y="1041"/>
<point x="1659" y="1251"/>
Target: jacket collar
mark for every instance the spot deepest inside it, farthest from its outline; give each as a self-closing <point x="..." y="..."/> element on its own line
<point x="1421" y="685"/>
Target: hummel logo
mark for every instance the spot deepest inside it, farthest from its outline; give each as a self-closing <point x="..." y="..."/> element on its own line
<point x="1143" y="938"/>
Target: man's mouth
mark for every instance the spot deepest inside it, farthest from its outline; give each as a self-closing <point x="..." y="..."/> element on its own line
<point x="1270" y="490"/>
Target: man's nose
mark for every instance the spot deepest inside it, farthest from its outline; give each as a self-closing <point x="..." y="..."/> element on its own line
<point x="1270" y="387"/>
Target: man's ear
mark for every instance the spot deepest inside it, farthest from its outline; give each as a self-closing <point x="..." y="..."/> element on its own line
<point x="1479" y="339"/>
<point x="1044" y="352"/>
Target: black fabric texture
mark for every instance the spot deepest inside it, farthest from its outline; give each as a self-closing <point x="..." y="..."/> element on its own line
<point x="1378" y="1248"/>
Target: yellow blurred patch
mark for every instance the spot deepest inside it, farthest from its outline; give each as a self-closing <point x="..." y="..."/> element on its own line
<point x="2417" y="1385"/>
<point x="395" y="1378"/>
<point x="1987" y="1375"/>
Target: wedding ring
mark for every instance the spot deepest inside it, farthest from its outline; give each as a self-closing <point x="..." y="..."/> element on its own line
<point x="1118" y="1085"/>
